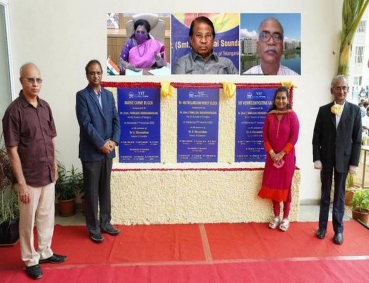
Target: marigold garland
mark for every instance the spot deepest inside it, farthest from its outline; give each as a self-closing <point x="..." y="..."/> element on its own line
<point x="229" y="89"/>
<point x="166" y="89"/>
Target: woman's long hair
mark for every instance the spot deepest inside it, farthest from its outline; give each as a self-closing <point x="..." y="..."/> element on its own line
<point x="281" y="89"/>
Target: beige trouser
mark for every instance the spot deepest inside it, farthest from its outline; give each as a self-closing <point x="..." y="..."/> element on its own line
<point x="38" y="212"/>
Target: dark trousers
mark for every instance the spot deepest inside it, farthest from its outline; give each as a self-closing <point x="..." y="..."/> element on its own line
<point x="338" y="200"/>
<point x="96" y="177"/>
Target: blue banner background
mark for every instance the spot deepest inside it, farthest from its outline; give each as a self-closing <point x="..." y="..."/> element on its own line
<point x="139" y="113"/>
<point x="251" y="108"/>
<point x="197" y="125"/>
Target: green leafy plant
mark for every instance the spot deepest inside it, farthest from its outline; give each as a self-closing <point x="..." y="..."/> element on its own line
<point x="352" y="13"/>
<point x="69" y="182"/>
<point x="360" y="200"/>
<point x="9" y="209"/>
<point x="75" y="180"/>
<point x="350" y="180"/>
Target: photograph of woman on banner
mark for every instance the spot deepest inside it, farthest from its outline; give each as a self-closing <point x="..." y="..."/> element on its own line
<point x="142" y="50"/>
<point x="270" y="44"/>
<point x="205" y="43"/>
<point x="280" y="134"/>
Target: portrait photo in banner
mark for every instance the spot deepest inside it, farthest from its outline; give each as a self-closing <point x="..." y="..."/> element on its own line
<point x="270" y="45"/>
<point x="226" y="41"/>
<point x="138" y="44"/>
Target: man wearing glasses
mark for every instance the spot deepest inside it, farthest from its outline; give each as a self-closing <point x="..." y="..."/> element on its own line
<point x="336" y="152"/>
<point x="270" y="50"/>
<point x="202" y="59"/>
<point x="29" y="135"/>
<point x="99" y="135"/>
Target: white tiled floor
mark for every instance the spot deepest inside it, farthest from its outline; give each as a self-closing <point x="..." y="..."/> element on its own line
<point x="311" y="213"/>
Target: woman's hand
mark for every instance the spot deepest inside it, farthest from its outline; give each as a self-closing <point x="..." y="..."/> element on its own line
<point x="276" y="157"/>
<point x="159" y="59"/>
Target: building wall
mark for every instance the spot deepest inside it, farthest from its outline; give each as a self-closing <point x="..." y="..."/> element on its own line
<point x="62" y="36"/>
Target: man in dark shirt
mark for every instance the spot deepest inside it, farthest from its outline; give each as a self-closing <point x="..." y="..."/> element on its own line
<point x="202" y="59"/>
<point x="29" y="133"/>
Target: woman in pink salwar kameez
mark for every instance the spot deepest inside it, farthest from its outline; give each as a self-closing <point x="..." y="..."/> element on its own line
<point x="141" y="50"/>
<point x="280" y="134"/>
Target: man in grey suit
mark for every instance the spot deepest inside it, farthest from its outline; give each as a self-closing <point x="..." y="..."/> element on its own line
<point x="336" y="146"/>
<point x="99" y="135"/>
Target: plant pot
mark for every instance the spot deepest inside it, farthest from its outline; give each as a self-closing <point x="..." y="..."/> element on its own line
<point x="67" y="207"/>
<point x="83" y="200"/>
<point x="9" y="232"/>
<point x="348" y="196"/>
<point x="362" y="215"/>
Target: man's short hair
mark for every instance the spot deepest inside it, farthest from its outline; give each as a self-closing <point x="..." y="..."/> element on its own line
<point x="94" y="61"/>
<point x="338" y="77"/>
<point x="202" y="19"/>
<point x="274" y="19"/>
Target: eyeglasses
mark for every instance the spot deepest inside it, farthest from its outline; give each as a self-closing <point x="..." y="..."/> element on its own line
<point x="94" y="73"/>
<point x="207" y="37"/>
<point x="33" y="80"/>
<point x="340" y="88"/>
<point x="265" y="36"/>
<point x="141" y="31"/>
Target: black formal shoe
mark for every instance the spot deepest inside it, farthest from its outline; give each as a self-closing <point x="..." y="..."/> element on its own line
<point x="96" y="238"/>
<point x="320" y="234"/>
<point x="110" y="230"/>
<point x="34" y="271"/>
<point x="54" y="259"/>
<point x="338" y="238"/>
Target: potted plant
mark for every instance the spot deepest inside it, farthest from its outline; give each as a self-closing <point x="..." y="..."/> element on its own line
<point x="350" y="188"/>
<point x="9" y="216"/>
<point x="65" y="190"/>
<point x="360" y="205"/>
<point x="76" y="181"/>
<point x="9" y="209"/>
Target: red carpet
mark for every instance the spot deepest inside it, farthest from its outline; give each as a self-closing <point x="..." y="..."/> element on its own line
<point x="202" y="253"/>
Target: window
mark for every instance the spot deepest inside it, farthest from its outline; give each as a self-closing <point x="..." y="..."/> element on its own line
<point x="359" y="54"/>
<point x="362" y="26"/>
<point x="357" y="80"/>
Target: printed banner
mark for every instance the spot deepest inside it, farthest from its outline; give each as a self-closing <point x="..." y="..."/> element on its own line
<point x="197" y="125"/>
<point x="139" y="112"/>
<point x="251" y="108"/>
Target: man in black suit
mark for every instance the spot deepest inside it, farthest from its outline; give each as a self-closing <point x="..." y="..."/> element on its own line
<point x="336" y="146"/>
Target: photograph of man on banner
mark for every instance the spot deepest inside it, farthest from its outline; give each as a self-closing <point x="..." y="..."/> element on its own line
<point x="270" y="44"/>
<point x="205" y="43"/>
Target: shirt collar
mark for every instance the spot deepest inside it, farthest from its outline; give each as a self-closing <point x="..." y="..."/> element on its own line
<point x="196" y="56"/>
<point x="25" y="102"/>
